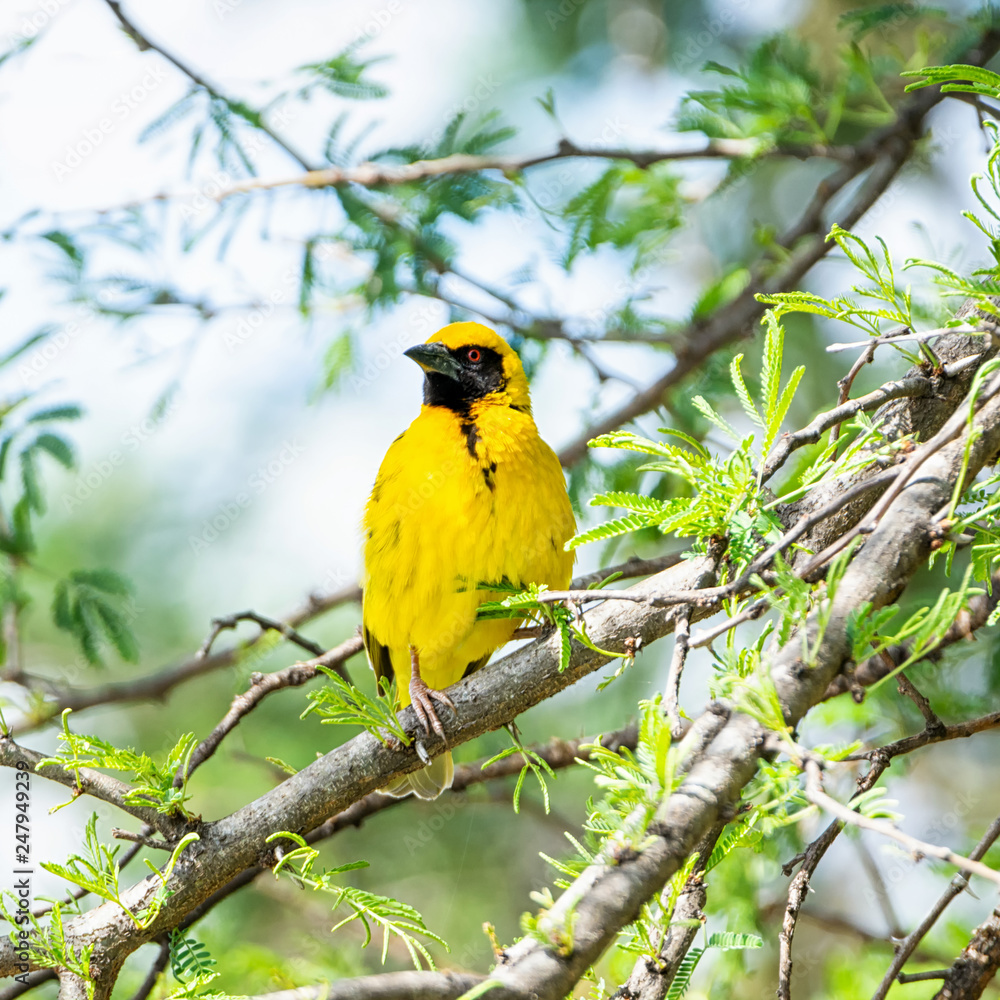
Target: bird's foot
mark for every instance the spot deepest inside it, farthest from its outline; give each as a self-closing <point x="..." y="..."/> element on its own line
<point x="422" y="698"/>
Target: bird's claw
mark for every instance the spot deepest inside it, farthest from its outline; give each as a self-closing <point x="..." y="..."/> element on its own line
<point x="422" y="752"/>
<point x="422" y="698"/>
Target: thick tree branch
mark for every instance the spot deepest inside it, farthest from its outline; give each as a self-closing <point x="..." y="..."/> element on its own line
<point x="87" y="781"/>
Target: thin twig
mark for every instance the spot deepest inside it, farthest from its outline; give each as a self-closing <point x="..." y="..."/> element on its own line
<point x="671" y="698"/>
<point x="957" y="731"/>
<point x="922" y="977"/>
<point x="141" y="839"/>
<point x="799" y="886"/>
<point x="819" y="425"/>
<point x="958" y="885"/>
<point x="377" y="175"/>
<point x="261" y="685"/>
<point x="918" y="848"/>
<point x="844" y="384"/>
<point x="220" y="625"/>
<point x="161" y="683"/>
<point x="904" y="337"/>
<point x="907" y="688"/>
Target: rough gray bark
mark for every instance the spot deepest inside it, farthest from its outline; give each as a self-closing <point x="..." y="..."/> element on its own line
<point x="975" y="968"/>
<point x="724" y="750"/>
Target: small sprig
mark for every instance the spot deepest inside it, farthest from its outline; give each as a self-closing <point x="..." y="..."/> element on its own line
<point x="390" y="916"/>
<point x="341" y="704"/>
<point x="154" y="784"/>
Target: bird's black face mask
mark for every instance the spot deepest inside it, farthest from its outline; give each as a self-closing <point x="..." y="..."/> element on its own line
<point x="456" y="378"/>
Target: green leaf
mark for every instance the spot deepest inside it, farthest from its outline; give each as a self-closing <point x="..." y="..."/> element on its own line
<point x="610" y="529"/>
<point x="57" y="447"/>
<point x="337" y="360"/>
<point x="741" y="392"/>
<point x="105" y="580"/>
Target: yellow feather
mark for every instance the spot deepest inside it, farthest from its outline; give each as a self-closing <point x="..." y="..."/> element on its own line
<point x="461" y="498"/>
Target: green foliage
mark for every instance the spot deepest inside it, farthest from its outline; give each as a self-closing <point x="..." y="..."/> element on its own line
<point x="958" y="78"/>
<point x="528" y="604"/>
<point x="728" y="941"/>
<point x="47" y="944"/>
<point x="618" y="208"/>
<point x="533" y="762"/>
<point x="26" y="439"/>
<point x="634" y="787"/>
<point x="780" y="98"/>
<point x="94" y="605"/>
<point x="889" y="303"/>
<point x="97" y="871"/>
<point x="727" y="501"/>
<point x="344" y="75"/>
<point x="391" y="917"/>
<point x="341" y="704"/>
<point x="153" y="784"/>
<point x="188" y="957"/>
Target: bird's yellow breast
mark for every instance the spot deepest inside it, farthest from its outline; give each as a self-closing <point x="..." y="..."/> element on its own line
<point x="460" y="500"/>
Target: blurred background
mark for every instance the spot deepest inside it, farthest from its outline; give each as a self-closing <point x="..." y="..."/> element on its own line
<point x="240" y="380"/>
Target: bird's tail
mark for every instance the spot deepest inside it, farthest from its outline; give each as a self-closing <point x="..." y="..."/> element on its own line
<point x="427" y="783"/>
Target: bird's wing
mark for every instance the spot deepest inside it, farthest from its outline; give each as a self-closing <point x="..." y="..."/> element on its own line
<point x="378" y="657"/>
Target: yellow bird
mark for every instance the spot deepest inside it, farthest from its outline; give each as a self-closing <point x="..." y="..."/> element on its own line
<point x="468" y="494"/>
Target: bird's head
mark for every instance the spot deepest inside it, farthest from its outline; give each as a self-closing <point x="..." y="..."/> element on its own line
<point x="467" y="363"/>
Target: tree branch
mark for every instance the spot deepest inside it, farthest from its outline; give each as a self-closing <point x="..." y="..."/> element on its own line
<point x="958" y="885"/>
<point x="391" y="174"/>
<point x="918" y="848"/>
<point x="883" y="154"/>
<point x="975" y="968"/>
<point x="161" y="683"/>
<point x="87" y="781"/>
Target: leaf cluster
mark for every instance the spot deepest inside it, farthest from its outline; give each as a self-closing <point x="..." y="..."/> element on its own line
<point x="153" y="783"/>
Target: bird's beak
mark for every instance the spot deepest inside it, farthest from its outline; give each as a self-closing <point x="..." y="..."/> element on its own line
<point x="435" y="358"/>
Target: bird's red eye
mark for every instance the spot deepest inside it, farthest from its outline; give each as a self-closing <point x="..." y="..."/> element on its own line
<point x="474" y="354"/>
